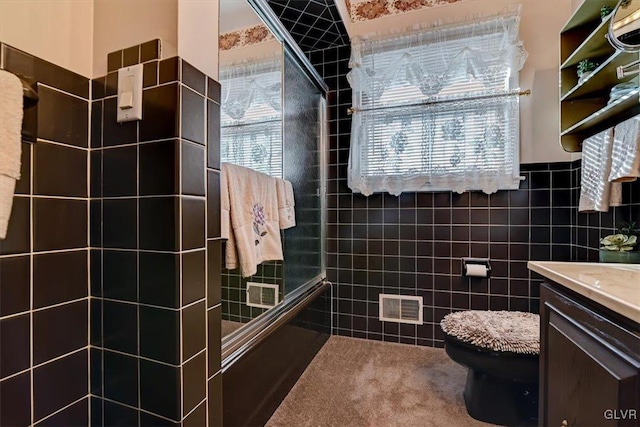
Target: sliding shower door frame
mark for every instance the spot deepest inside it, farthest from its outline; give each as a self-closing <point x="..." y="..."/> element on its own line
<point x="271" y="19"/>
<point x="256" y="331"/>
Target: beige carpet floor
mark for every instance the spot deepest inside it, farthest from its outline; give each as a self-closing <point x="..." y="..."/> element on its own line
<point x="229" y="327"/>
<point x="353" y="382"/>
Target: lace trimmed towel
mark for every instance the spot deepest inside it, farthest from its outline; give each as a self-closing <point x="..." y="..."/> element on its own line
<point x="230" y="253"/>
<point x="286" y="204"/>
<point x="596" y="192"/>
<point x="252" y="204"/>
<point x="10" y="136"/>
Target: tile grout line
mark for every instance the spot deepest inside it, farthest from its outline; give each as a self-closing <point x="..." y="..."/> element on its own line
<point x="55" y="89"/>
<point x="101" y="194"/>
<point x="194" y="409"/>
<point x="31" y="278"/>
<point x="205" y="171"/>
<point x="36" y="310"/>
<point x="181" y="88"/>
<point x="62" y="144"/>
<point x="40" y="365"/>
<point x="89" y="266"/>
<point x="136" y="356"/>
<point x="87" y="396"/>
<point x="138" y="410"/>
<point x="138" y="332"/>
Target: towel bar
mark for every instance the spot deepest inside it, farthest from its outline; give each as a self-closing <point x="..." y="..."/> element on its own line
<point x="527" y="92"/>
<point x="29" y="96"/>
<point x="30" y="99"/>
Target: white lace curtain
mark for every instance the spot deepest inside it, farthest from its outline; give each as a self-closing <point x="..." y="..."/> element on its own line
<point x="251" y="115"/>
<point x="437" y="109"/>
<point x="250" y="86"/>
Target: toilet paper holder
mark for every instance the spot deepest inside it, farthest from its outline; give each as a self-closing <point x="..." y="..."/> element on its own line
<point x="468" y="262"/>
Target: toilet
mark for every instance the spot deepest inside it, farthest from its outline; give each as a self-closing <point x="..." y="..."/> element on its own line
<point x="501" y="350"/>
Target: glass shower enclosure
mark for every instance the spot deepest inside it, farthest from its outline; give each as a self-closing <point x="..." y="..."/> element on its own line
<point x="303" y="159"/>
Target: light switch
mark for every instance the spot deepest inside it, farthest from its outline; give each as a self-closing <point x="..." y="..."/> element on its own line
<point x="126" y="97"/>
<point x="130" y="93"/>
<point x="126" y="100"/>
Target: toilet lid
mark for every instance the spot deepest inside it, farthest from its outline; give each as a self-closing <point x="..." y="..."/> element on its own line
<point x="512" y="331"/>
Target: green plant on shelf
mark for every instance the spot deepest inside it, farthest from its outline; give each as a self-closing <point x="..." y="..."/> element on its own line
<point x="585" y="66"/>
<point x="605" y="11"/>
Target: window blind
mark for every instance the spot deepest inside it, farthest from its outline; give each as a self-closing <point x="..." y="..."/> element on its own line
<point x="437" y="109"/>
<point x="251" y="116"/>
<point x="256" y="145"/>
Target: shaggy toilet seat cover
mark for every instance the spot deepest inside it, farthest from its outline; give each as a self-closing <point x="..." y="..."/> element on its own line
<point x="509" y="331"/>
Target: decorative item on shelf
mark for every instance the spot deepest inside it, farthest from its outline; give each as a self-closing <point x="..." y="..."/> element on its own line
<point x="585" y="67"/>
<point x="624" y="34"/>
<point x="605" y="11"/>
<point x="623" y="89"/>
<point x="619" y="247"/>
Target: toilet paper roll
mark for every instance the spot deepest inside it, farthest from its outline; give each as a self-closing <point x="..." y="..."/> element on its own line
<point x="476" y="270"/>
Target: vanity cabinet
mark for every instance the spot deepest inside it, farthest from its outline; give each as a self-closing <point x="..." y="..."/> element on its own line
<point x="584" y="106"/>
<point x="589" y="363"/>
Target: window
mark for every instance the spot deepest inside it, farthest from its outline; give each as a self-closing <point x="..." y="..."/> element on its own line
<point x="251" y="116"/>
<point x="437" y="109"/>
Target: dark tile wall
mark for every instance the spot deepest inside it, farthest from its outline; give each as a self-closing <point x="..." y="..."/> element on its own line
<point x="214" y="263"/>
<point x="589" y="228"/>
<point x="44" y="304"/>
<point x="151" y="296"/>
<point x="313" y="24"/>
<point x="413" y="244"/>
<point x="234" y="290"/>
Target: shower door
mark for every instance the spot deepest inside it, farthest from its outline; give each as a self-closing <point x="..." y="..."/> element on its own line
<point x="303" y="151"/>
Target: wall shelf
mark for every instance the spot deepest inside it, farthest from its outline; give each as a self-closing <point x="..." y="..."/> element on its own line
<point x="586" y="12"/>
<point x="594" y="46"/>
<point x="602" y="77"/>
<point x="616" y="109"/>
<point x="584" y="110"/>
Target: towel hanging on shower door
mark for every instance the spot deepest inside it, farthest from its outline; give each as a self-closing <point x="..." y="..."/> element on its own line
<point x="286" y="204"/>
<point x="253" y="222"/>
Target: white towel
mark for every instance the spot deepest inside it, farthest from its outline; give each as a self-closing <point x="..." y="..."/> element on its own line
<point x="286" y="204"/>
<point x="596" y="192"/>
<point x="230" y="255"/>
<point x="10" y="148"/>
<point x="625" y="154"/>
<point x="253" y="213"/>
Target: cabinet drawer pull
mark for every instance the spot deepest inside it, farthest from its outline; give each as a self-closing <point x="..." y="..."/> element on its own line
<point x="564" y="423"/>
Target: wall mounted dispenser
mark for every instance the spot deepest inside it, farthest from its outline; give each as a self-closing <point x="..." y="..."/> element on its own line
<point x="476" y="267"/>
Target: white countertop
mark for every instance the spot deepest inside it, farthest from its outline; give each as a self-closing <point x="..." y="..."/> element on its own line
<point x="615" y="286"/>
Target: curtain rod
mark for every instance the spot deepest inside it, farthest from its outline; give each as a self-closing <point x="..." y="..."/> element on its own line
<point x="353" y="110"/>
<point x="251" y="123"/>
